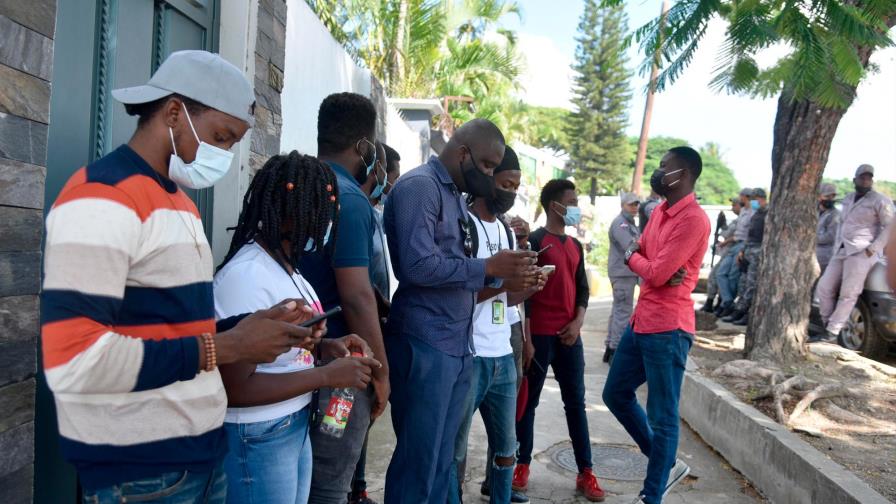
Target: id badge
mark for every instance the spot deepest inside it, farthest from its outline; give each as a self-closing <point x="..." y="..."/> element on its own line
<point x="498" y="312"/>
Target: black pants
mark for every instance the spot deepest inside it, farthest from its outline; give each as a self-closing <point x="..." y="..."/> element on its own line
<point x="568" y="363"/>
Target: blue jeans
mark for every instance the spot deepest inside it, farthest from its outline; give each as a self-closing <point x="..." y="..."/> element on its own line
<point x="429" y="389"/>
<point x="181" y="487"/>
<point x="493" y="393"/>
<point x="270" y="461"/>
<point x="658" y="359"/>
<point x="568" y="363"/>
<point x="728" y="274"/>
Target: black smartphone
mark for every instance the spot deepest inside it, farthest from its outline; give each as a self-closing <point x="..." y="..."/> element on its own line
<point x="313" y="320"/>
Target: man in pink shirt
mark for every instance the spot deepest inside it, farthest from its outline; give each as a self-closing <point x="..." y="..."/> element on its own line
<point x="654" y="347"/>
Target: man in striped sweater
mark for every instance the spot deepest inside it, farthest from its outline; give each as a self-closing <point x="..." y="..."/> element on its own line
<point x="130" y="346"/>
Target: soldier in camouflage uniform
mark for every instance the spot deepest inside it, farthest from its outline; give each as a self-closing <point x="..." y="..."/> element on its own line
<point x="749" y="259"/>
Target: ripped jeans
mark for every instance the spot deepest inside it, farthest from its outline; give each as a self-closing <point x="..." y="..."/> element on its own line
<point x="493" y="393"/>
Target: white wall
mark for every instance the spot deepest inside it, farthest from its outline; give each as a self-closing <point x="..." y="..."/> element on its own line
<point x="405" y="140"/>
<point x="316" y="66"/>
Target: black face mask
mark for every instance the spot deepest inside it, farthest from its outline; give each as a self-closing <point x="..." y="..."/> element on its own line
<point x="501" y="203"/>
<point x="656" y="182"/>
<point x="479" y="185"/>
<point x="827" y="204"/>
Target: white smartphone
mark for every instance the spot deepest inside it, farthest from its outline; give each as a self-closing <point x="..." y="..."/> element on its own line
<point x="547" y="269"/>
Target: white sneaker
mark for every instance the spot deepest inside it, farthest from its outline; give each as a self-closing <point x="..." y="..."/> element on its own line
<point x="638" y="500"/>
<point x="678" y="473"/>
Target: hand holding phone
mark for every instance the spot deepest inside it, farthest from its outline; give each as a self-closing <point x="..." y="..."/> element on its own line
<point x="323" y="316"/>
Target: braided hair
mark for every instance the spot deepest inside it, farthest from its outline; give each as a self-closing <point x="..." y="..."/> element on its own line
<point x="292" y="197"/>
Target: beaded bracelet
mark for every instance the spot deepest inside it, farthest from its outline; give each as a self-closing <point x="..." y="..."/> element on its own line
<point x="211" y="355"/>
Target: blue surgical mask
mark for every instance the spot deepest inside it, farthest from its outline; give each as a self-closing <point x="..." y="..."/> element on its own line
<point x="309" y="246"/>
<point x="573" y="216"/>
<point x="754" y="204"/>
<point x="369" y="168"/>
<point x="378" y="189"/>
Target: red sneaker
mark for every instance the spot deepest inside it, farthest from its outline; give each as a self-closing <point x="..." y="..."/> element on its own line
<point x="521" y="478"/>
<point x="586" y="484"/>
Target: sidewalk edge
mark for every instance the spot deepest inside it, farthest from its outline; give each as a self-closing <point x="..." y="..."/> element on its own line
<point x="786" y="469"/>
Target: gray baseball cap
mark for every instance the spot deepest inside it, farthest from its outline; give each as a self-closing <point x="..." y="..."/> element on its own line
<point x="827" y="189"/>
<point x="746" y="191"/>
<point x="759" y="193"/>
<point x="201" y="76"/>
<point x="863" y="169"/>
<point x="629" y="198"/>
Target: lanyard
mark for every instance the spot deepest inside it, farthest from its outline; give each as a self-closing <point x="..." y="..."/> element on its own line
<point x="488" y="241"/>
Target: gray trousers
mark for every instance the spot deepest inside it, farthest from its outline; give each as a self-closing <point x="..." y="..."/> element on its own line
<point x="840" y="287"/>
<point x="335" y="459"/>
<point x="623" y="306"/>
<point x="712" y="283"/>
<point x="747" y="287"/>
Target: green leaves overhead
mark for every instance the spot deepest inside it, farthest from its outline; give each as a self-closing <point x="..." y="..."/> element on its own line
<point x="825" y="39"/>
<point x="429" y="48"/>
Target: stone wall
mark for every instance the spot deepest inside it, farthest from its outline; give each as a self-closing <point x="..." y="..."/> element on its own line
<point x="26" y="60"/>
<point x="270" y="53"/>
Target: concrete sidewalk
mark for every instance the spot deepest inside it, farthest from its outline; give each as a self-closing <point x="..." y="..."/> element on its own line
<point x="713" y="482"/>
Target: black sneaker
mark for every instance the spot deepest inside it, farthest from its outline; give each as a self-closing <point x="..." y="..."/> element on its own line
<point x="735" y="315"/>
<point x="514" y="495"/>
<point x="608" y="355"/>
<point x="708" y="306"/>
<point x="360" y="498"/>
<point x="825" y="337"/>
<point x="745" y="320"/>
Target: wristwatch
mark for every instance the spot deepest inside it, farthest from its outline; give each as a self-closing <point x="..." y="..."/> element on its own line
<point x="494" y="282"/>
<point x="628" y="255"/>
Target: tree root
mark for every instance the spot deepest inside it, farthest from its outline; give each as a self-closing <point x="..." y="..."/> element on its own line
<point x="825" y="391"/>
<point x="746" y="370"/>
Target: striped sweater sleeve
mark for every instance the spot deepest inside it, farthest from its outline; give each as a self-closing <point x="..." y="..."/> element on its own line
<point x="93" y="234"/>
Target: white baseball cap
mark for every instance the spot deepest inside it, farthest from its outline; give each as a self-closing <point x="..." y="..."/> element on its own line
<point x="201" y="76"/>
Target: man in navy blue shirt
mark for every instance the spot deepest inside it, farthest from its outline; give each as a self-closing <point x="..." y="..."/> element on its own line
<point x="341" y="276"/>
<point x="429" y="332"/>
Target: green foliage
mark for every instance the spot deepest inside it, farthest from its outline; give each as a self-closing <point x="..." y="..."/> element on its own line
<point x="717" y="182"/>
<point x="845" y="186"/>
<point x="828" y="40"/>
<point x="431" y="48"/>
<point x="598" y="146"/>
<point x="546" y="127"/>
<point x="599" y="255"/>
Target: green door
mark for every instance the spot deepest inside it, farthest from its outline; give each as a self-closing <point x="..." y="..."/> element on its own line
<point x="102" y="45"/>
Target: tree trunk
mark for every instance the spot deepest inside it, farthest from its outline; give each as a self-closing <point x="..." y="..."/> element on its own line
<point x="593" y="192"/>
<point x="398" y="55"/>
<point x="779" y="316"/>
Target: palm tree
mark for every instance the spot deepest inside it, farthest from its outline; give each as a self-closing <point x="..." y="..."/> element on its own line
<point x="830" y="43"/>
<point x="426" y="48"/>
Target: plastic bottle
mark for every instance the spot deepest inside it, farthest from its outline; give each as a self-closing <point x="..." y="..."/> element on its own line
<point x="338" y="411"/>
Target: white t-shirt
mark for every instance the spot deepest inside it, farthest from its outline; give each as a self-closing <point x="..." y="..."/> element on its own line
<point x="492" y="339"/>
<point x="252" y="281"/>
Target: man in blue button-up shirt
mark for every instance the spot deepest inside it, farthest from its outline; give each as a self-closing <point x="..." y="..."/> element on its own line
<point x="428" y="337"/>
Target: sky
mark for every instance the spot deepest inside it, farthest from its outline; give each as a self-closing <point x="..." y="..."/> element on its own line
<point x="691" y="111"/>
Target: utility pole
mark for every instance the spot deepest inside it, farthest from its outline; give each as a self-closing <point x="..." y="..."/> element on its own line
<point x="648" y="109"/>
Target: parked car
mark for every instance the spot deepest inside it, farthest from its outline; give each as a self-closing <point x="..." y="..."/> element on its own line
<point x="871" y="327"/>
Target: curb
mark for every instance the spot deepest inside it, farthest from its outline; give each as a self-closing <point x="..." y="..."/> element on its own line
<point x="786" y="469"/>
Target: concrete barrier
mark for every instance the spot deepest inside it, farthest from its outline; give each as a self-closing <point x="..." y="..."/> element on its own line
<point x="786" y="469"/>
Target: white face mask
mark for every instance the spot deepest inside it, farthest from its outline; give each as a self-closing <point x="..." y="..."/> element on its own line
<point x="209" y="166"/>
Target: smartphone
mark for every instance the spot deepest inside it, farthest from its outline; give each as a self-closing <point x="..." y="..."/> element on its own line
<point x="314" y="320"/>
<point x="548" y="268"/>
<point x="542" y="250"/>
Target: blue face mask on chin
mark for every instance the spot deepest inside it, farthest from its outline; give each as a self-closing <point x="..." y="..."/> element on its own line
<point x="754" y="204"/>
<point x="379" y="188"/>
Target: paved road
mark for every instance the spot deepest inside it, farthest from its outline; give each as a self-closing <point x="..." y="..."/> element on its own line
<point x="715" y="482"/>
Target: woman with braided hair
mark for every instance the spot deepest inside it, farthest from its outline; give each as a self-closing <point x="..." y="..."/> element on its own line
<point x="289" y="210"/>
